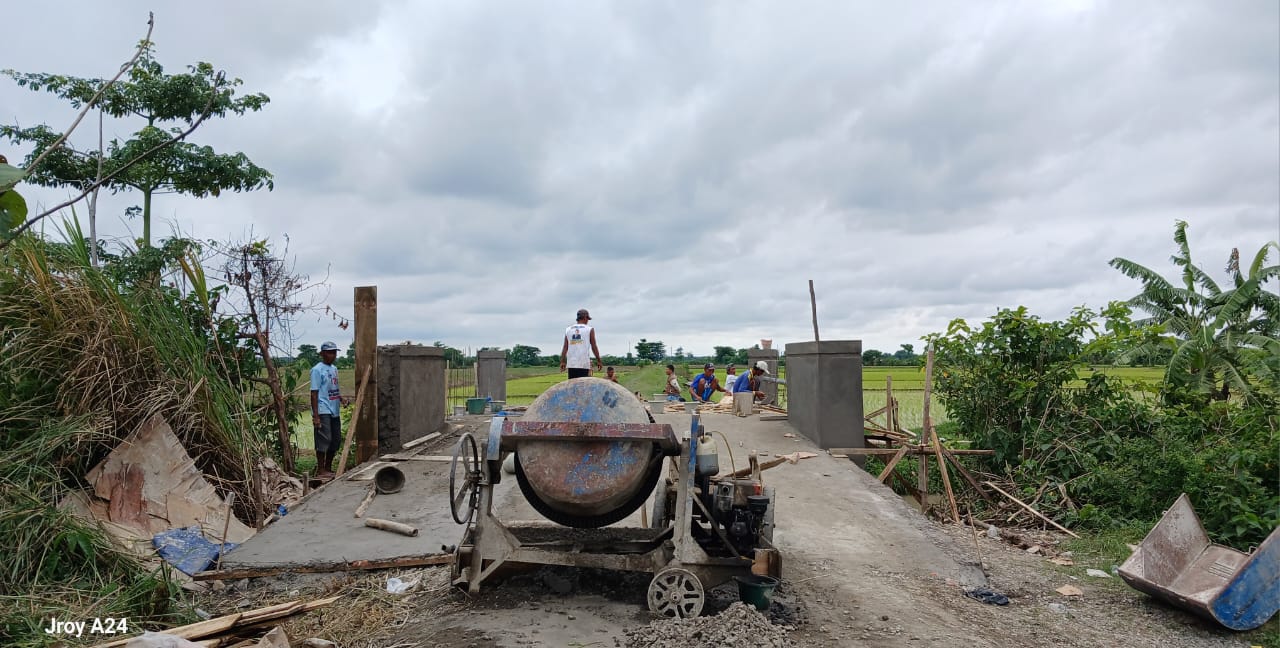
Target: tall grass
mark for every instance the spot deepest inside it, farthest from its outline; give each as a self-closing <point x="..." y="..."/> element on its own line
<point x="84" y="360"/>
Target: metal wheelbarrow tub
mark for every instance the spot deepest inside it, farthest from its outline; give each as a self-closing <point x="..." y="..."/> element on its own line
<point x="1178" y="564"/>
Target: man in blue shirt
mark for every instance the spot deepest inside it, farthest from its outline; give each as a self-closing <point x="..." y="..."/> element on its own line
<point x="705" y="384"/>
<point x="750" y="381"/>
<point x="326" y="410"/>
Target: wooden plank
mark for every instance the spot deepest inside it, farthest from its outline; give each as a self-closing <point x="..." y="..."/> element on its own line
<point x="220" y="625"/>
<point x="420" y="440"/>
<point x="413" y="457"/>
<point x="946" y="476"/>
<point x="366" y="473"/>
<point x="915" y="449"/>
<point x="355" y="416"/>
<point x="876" y="413"/>
<point x="1032" y="511"/>
<point x="888" y="468"/>
<point x="368" y="499"/>
<point x="324" y="567"/>
<point x="365" y="428"/>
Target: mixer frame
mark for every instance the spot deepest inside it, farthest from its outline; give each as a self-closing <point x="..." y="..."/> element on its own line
<point x="682" y="570"/>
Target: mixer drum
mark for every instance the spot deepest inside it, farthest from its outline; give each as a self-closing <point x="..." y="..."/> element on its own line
<point x="587" y="483"/>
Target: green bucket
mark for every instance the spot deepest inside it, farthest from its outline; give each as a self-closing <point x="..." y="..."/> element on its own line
<point x="476" y="405"/>
<point x="756" y="590"/>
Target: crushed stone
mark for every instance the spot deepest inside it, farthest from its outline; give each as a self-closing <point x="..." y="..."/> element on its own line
<point x="739" y="625"/>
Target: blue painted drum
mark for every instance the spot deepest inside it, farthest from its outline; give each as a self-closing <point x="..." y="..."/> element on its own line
<point x="586" y="483"/>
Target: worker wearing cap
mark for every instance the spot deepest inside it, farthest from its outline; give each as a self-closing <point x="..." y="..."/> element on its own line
<point x="575" y="355"/>
<point x="326" y="410"/>
<point x="705" y="384"/>
<point x="750" y="381"/>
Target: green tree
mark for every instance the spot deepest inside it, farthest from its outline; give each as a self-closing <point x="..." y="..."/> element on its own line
<point x="523" y="356"/>
<point x="452" y="355"/>
<point x="873" y="358"/>
<point x="162" y="101"/>
<point x="652" y="351"/>
<point x="725" y="355"/>
<point x="308" y="355"/>
<point x="906" y="356"/>
<point x="1220" y="337"/>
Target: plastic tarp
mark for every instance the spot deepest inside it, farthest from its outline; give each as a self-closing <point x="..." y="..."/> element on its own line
<point x="188" y="550"/>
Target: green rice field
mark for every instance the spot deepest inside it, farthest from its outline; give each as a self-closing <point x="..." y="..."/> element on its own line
<point x="524" y="384"/>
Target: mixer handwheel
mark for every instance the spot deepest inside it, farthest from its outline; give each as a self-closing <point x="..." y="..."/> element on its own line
<point x="464" y="479"/>
<point x="676" y="592"/>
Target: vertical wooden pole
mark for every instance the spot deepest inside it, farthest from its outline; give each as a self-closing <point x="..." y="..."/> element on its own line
<point x="813" y="305"/>
<point x="922" y="479"/>
<point x="891" y="412"/>
<point x="365" y="428"/>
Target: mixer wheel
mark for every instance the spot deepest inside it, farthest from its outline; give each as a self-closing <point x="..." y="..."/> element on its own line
<point x="464" y="479"/>
<point x="676" y="592"/>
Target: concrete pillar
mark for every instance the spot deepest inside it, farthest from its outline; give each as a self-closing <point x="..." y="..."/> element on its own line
<point x="411" y="398"/>
<point x="824" y="392"/>
<point x="771" y="357"/>
<point x="491" y="374"/>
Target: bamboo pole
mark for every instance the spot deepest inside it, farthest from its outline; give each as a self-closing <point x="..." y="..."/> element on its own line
<point x="368" y="499"/>
<point x="394" y="527"/>
<point x="888" y="468"/>
<point x="813" y="305"/>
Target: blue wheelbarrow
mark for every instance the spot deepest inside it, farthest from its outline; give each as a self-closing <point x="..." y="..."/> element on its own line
<point x="1178" y="564"/>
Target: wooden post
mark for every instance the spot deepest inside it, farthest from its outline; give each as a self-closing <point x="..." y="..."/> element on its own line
<point x="922" y="480"/>
<point x="891" y="412"/>
<point x="813" y="305"/>
<point x="365" y="428"/>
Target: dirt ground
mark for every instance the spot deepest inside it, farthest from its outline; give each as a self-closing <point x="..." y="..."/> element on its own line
<point x="860" y="568"/>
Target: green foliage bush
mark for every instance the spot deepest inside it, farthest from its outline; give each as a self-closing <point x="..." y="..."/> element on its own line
<point x="1123" y="454"/>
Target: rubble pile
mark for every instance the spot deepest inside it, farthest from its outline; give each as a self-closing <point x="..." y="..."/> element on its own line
<point x="739" y="625"/>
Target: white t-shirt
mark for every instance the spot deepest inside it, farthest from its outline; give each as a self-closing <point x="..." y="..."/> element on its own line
<point x="729" y="379"/>
<point x="579" y="354"/>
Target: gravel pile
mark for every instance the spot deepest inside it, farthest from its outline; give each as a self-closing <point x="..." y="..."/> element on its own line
<point x="738" y="626"/>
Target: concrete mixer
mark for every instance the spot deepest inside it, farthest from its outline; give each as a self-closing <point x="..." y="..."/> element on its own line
<point x="586" y="457"/>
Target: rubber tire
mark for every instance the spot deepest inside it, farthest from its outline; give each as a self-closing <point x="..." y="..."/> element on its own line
<point x="592" y="521"/>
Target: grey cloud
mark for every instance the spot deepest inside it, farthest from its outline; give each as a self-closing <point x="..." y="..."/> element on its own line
<point x="682" y="169"/>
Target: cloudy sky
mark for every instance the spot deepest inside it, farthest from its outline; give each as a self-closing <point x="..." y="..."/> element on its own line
<point x="683" y="168"/>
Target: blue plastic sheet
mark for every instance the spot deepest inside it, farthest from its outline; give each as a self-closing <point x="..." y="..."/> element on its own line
<point x="188" y="550"/>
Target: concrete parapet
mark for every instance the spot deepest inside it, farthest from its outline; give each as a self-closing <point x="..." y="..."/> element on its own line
<point x="824" y="392"/>
<point x="411" y="394"/>
<point x="491" y="374"/>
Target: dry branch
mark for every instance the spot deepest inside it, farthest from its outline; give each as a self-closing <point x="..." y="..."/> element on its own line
<point x="1032" y="511"/>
